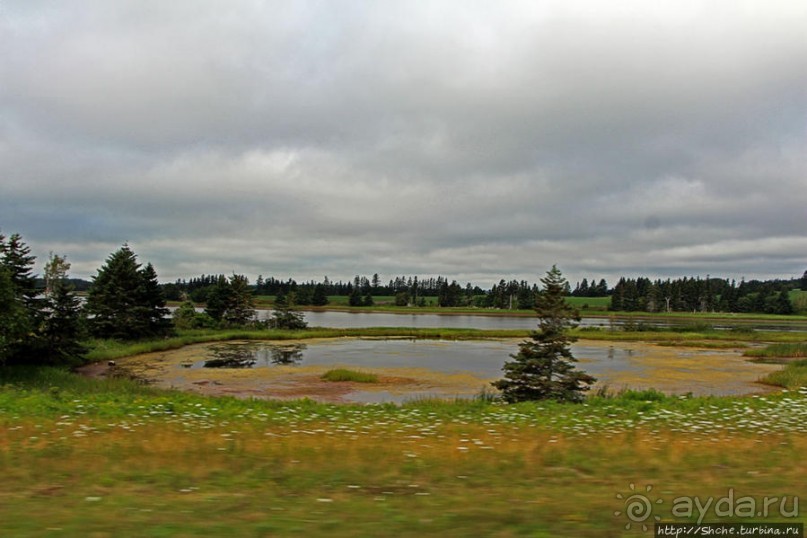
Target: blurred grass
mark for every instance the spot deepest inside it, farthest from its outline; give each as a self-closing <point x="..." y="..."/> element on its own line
<point x="83" y="457"/>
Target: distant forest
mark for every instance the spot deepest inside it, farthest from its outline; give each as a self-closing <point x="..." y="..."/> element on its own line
<point x="688" y="294"/>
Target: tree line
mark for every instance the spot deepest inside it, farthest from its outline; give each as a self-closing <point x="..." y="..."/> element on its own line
<point x="687" y="294"/>
<point x="704" y="295"/>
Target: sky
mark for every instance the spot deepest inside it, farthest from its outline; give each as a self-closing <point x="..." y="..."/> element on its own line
<point x="473" y="140"/>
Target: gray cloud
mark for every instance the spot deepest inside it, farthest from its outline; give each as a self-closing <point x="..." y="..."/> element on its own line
<point x="311" y="138"/>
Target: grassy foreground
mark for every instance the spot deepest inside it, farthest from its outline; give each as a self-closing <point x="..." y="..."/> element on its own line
<point x="83" y="457"/>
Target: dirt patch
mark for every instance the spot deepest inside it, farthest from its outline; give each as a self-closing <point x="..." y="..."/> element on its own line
<point x="94" y="370"/>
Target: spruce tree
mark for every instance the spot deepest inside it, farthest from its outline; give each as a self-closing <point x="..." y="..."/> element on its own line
<point x="544" y="367"/>
<point x="319" y="297"/>
<point x="218" y="298"/>
<point x="63" y="326"/>
<point x="34" y="329"/>
<point x="14" y="321"/>
<point x="354" y="299"/>
<point x="20" y="308"/>
<point x="283" y="317"/>
<point x="240" y="307"/>
<point x="124" y="301"/>
<point x="155" y="313"/>
<point x="16" y="257"/>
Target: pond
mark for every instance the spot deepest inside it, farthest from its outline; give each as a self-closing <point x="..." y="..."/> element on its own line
<point x="341" y="320"/>
<point x="351" y="320"/>
<point x="410" y="369"/>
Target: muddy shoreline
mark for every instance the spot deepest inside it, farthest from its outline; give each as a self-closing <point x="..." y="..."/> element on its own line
<point x="668" y="369"/>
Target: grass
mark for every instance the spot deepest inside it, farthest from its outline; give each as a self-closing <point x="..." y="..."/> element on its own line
<point x="343" y="374"/>
<point x="82" y="457"/>
<point x="793" y="376"/>
<point x="587" y="304"/>
<point x="87" y="457"/>
<point x="780" y="350"/>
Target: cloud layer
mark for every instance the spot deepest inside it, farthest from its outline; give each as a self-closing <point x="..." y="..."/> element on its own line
<point x="306" y="139"/>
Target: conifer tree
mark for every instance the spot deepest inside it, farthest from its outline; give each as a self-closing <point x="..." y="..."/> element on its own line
<point x="125" y="301"/>
<point x="16" y="257"/>
<point x="14" y="321"/>
<point x="34" y="329"/>
<point x="218" y="297"/>
<point x="20" y="307"/>
<point x="240" y="307"/>
<point x="319" y="298"/>
<point x="283" y="317"/>
<point x="544" y="367"/>
<point x="63" y="326"/>
<point x="154" y="302"/>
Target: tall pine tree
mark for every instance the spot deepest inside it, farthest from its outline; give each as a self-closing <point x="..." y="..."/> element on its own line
<point x="543" y="368"/>
<point x="124" y="301"/>
<point x="17" y="292"/>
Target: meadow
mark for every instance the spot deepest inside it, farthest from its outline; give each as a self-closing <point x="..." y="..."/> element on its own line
<point x="115" y="457"/>
<point x="85" y="457"/>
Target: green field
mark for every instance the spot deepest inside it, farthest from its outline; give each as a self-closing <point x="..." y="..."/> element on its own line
<point x="588" y="306"/>
<point x="113" y="458"/>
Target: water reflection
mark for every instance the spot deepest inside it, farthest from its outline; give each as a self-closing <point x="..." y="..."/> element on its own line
<point x="249" y="355"/>
<point x="230" y="356"/>
<point x="445" y="369"/>
<point x="287" y="354"/>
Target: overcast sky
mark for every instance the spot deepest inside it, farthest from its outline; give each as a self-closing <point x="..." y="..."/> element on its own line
<point x="474" y="140"/>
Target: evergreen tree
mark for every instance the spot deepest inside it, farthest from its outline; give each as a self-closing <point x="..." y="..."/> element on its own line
<point x="526" y="297"/>
<point x="582" y="290"/>
<point x="402" y="298"/>
<point x="240" y="308"/>
<point x="217" y="298"/>
<point x="544" y="366"/>
<point x="283" y="317"/>
<point x="16" y="257"/>
<point x="319" y="298"/>
<point x="63" y="326"/>
<point x="185" y="317"/>
<point x="783" y="304"/>
<point x="355" y="297"/>
<point x="153" y="300"/>
<point x="125" y="301"/>
<point x="15" y="323"/>
<point x="304" y="295"/>
<point x="20" y="308"/>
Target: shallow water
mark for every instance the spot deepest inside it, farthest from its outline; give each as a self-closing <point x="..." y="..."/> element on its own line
<point x="465" y="321"/>
<point x="422" y="368"/>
